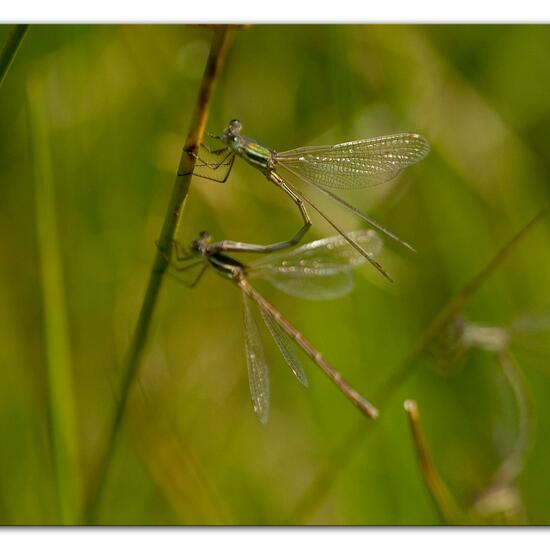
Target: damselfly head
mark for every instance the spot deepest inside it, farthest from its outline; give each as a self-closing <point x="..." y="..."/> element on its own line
<point x="233" y="131"/>
<point x="201" y="243"/>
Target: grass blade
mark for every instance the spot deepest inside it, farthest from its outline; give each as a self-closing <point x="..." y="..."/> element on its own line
<point x="60" y="377"/>
<point x="10" y="49"/>
<point x="514" y="463"/>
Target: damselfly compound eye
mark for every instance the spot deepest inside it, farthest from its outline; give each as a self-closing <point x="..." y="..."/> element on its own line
<point x="235" y="126"/>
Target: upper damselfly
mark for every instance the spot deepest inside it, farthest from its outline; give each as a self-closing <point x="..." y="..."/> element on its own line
<point x="317" y="270"/>
<point x="350" y="165"/>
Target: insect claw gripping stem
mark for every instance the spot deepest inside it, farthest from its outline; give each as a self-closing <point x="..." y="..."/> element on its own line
<point x="185" y="151"/>
<point x="226" y="162"/>
<point x="180" y="254"/>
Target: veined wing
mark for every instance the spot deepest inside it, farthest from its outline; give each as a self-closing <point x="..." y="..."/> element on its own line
<point x="319" y="258"/>
<point x="258" y="376"/>
<point x="284" y="344"/>
<point x="355" y="164"/>
<point x="328" y="287"/>
<point x="319" y="269"/>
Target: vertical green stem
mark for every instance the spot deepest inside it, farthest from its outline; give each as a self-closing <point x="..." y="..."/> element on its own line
<point x="10" y="49"/>
<point x="60" y="377"/>
<point x="162" y="258"/>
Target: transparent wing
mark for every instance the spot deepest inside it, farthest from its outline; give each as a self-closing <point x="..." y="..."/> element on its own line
<point x="355" y="164"/>
<point x="284" y="343"/>
<point x="318" y="270"/>
<point x="319" y="258"/>
<point x="312" y="287"/>
<point x="258" y="377"/>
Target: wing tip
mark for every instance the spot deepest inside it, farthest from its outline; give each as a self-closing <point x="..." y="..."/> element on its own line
<point x="425" y="145"/>
<point x="262" y="415"/>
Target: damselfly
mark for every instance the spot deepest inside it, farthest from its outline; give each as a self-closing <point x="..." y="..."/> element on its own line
<point x="351" y="165"/>
<point x="317" y="270"/>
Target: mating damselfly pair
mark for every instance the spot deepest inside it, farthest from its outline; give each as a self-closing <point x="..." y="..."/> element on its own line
<point x="317" y="270"/>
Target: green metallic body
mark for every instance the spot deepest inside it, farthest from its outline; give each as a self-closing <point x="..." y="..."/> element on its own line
<point x="254" y="153"/>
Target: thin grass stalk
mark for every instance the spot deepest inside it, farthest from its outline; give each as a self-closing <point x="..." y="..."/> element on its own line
<point x="15" y="37"/>
<point x="446" y="506"/>
<point x="512" y="466"/>
<point x="62" y="409"/>
<point x="453" y="307"/>
<point x="313" y="494"/>
<point x="161" y="261"/>
<point x="500" y="499"/>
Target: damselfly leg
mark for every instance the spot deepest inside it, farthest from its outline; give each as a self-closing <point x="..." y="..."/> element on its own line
<point x="191" y="282"/>
<point x="214" y="171"/>
<point x="345" y="235"/>
<point x="355" y="210"/>
<point x="236" y="246"/>
<point x="183" y="261"/>
<point x="176" y="253"/>
<point x="216" y="152"/>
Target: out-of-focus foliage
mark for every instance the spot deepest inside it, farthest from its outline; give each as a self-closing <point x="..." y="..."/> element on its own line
<point x="116" y="102"/>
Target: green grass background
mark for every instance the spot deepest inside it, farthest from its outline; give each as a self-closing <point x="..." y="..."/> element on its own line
<point x="93" y="119"/>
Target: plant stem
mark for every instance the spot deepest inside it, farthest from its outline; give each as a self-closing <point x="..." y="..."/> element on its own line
<point x="62" y="408"/>
<point x="162" y="259"/>
<point x="446" y="505"/>
<point x="10" y="49"/>
<point x="512" y="466"/>
<point x="453" y="307"/>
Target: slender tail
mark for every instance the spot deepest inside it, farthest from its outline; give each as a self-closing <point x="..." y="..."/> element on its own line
<point x="356" y="398"/>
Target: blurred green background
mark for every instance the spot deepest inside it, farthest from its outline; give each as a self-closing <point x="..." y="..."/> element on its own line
<point x="93" y="121"/>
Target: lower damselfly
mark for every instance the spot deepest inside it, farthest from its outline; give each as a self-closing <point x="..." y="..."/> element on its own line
<point x="351" y="165"/>
<point x="317" y="270"/>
